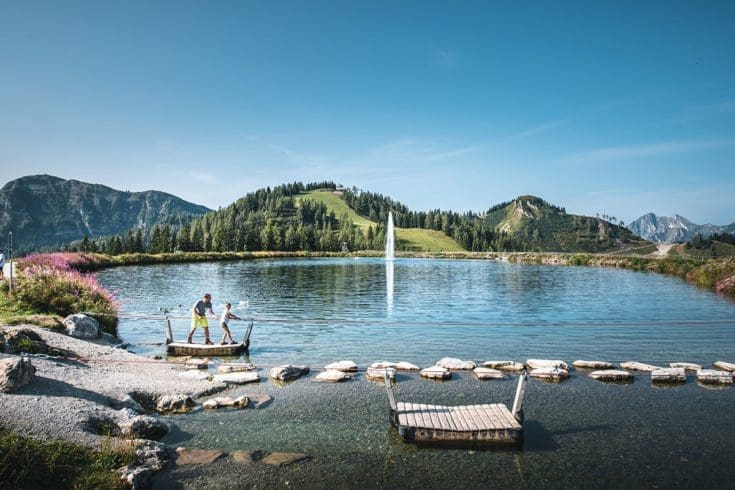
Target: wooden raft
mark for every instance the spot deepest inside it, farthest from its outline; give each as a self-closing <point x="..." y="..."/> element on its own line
<point x="485" y="423"/>
<point x="215" y="350"/>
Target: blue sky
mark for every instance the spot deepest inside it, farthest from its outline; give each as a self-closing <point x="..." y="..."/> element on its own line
<point x="612" y="107"/>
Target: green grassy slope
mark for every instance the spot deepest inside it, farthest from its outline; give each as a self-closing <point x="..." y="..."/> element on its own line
<point x="414" y="239"/>
<point x="718" y="249"/>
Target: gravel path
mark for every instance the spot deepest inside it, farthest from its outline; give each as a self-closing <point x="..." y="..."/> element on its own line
<point x="67" y="399"/>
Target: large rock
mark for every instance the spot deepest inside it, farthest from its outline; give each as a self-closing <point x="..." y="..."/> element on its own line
<point x="187" y="456"/>
<point x="398" y="366"/>
<point x="378" y="374"/>
<point x="483" y="373"/>
<point x="175" y="404"/>
<point x="669" y="375"/>
<point x="638" y="366"/>
<point x="226" y="402"/>
<point x="240" y="378"/>
<point x="436" y="372"/>
<point x="235" y="367"/>
<point x="456" y="364"/>
<point x="714" y="377"/>
<point x="152" y="454"/>
<point x="725" y="366"/>
<point x="550" y="374"/>
<point x="135" y="477"/>
<point x="592" y="364"/>
<point x="611" y="375"/>
<point x="688" y="366"/>
<point x="344" y="366"/>
<point x="547" y="363"/>
<point x="505" y="365"/>
<point x="82" y="326"/>
<point x="288" y="372"/>
<point x="144" y="427"/>
<point x="197" y="363"/>
<point x="15" y="373"/>
<point x="331" y="376"/>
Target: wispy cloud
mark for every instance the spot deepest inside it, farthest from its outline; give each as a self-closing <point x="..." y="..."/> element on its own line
<point x="646" y="150"/>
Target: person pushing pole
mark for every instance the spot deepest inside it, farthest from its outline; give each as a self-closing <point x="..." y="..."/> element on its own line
<point x="199" y="317"/>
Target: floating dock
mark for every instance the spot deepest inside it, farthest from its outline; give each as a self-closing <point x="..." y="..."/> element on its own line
<point x="214" y="350"/>
<point x="485" y="423"/>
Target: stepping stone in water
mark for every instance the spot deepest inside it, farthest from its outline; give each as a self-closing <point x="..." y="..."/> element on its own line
<point x="638" y="366"/>
<point x="714" y="377"/>
<point x="456" y="364"/>
<point x="226" y="401"/>
<point x="344" y="366"/>
<point x="611" y="375"/>
<point x="237" y="378"/>
<point x="235" y="367"/>
<point x="725" y="366"/>
<point x="550" y="374"/>
<point x="282" y="459"/>
<point x="378" y="374"/>
<point x="187" y="456"/>
<point x="436" y="372"/>
<point x="547" y="363"/>
<point x="195" y="374"/>
<point x="593" y="364"/>
<point x="669" y="375"/>
<point x="288" y="372"/>
<point x="258" y="399"/>
<point x="688" y="366"/>
<point x="196" y="363"/>
<point x="483" y="373"/>
<point x="332" y="376"/>
<point x="398" y="366"/>
<point x="505" y="365"/>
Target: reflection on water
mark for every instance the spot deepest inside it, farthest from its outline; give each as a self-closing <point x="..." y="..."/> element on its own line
<point x="389" y="286"/>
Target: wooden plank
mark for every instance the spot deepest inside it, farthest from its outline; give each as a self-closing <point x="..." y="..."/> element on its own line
<point x="458" y="420"/>
<point x="476" y="417"/>
<point x="426" y="416"/>
<point x="467" y="422"/>
<point x="446" y="419"/>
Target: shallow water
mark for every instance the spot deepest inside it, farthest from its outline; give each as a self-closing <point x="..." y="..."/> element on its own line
<point x="580" y="433"/>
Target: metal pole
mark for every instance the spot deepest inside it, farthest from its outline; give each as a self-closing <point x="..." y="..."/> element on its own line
<point x="10" y="263"/>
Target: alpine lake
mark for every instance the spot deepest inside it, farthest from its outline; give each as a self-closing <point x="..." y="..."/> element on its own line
<point x="579" y="433"/>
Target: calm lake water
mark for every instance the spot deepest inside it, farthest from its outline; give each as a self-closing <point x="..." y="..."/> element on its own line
<point x="580" y="433"/>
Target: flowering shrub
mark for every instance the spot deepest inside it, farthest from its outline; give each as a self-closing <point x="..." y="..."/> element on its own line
<point x="53" y="283"/>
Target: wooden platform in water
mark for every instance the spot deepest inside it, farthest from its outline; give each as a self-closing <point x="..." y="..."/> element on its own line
<point x="185" y="349"/>
<point x="418" y="422"/>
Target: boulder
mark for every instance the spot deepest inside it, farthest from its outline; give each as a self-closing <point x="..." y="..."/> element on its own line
<point x="483" y="373"/>
<point x="550" y="374"/>
<point x="226" y="402"/>
<point x="135" y="477"/>
<point x="546" y="363"/>
<point x="456" y="364"/>
<point x="614" y="375"/>
<point x="593" y="365"/>
<point x="688" y="366"/>
<point x="714" y="377"/>
<point x="725" y="366"/>
<point x="288" y="372"/>
<point x="669" y="375"/>
<point x="638" y="366"/>
<point x="22" y="340"/>
<point x="144" y="427"/>
<point x="197" y="363"/>
<point x="282" y="459"/>
<point x="378" y="374"/>
<point x="175" y="404"/>
<point x="185" y="456"/>
<point x="237" y="378"/>
<point x="15" y="373"/>
<point x="398" y="366"/>
<point x="128" y="402"/>
<point x="505" y="365"/>
<point x="246" y="457"/>
<point x="235" y="367"/>
<point x="436" y="372"/>
<point x="344" y="366"/>
<point x="331" y="376"/>
<point x="152" y="454"/>
<point x="81" y="326"/>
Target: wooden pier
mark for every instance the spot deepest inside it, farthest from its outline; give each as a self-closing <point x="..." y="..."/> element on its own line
<point x="485" y="423"/>
<point x="214" y="350"/>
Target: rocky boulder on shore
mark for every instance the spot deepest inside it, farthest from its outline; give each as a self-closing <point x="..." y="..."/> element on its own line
<point x="81" y="326"/>
<point x="15" y="373"/>
<point x="144" y="427"/>
<point x="175" y="404"/>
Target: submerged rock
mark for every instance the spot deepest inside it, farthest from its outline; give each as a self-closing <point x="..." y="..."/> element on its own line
<point x="282" y="459"/>
<point x="669" y="375"/>
<point x="378" y="374"/>
<point x="614" y="375"/>
<point x="456" y="364"/>
<point x="15" y="373"/>
<point x="81" y="326"/>
<point x="226" y="402"/>
<point x="483" y="373"/>
<point x="235" y="367"/>
<point x="398" y="366"/>
<point x="175" y="404"/>
<point x="689" y="366"/>
<point x="344" y="366"/>
<point x="547" y="363"/>
<point x="593" y="364"/>
<point x="505" y="365"/>
<point x="638" y="366"/>
<point x="331" y="376"/>
<point x="237" y="378"/>
<point x="187" y="456"/>
<point x="436" y="372"/>
<point x="714" y="377"/>
<point x="288" y="372"/>
<point x="725" y="366"/>
<point x="550" y="373"/>
<point x="258" y="400"/>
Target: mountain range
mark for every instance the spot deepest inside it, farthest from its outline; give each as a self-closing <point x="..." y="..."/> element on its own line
<point x="672" y="229"/>
<point x="45" y="212"/>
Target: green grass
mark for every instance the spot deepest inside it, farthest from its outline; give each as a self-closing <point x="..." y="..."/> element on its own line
<point x="413" y="239"/>
<point x="718" y="249"/>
